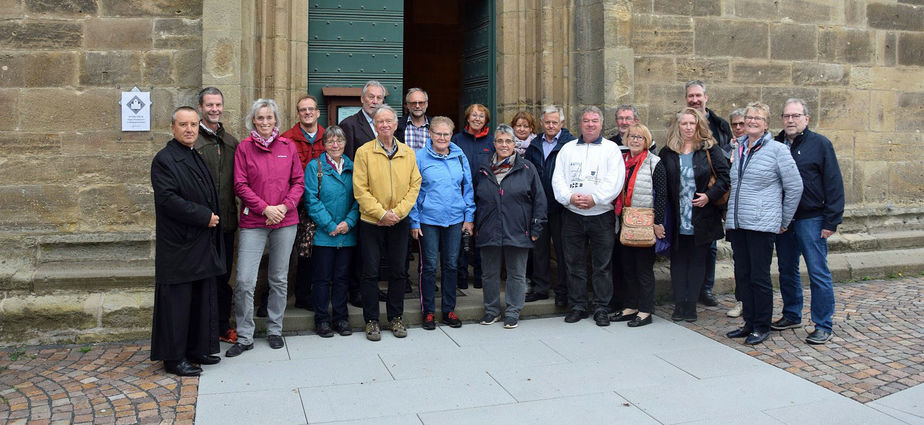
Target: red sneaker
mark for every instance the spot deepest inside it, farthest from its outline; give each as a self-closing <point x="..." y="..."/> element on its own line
<point x="229" y="337"/>
<point x="429" y="323"/>
<point x="452" y="320"/>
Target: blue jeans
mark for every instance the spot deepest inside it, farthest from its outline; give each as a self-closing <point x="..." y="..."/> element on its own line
<point x="804" y="238"/>
<point x="330" y="277"/>
<point x="439" y="243"/>
<point x="709" y="281"/>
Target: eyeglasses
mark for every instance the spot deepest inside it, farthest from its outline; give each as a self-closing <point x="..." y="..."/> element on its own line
<point x="792" y="116"/>
<point x="337" y="141"/>
<point x="307" y="109"/>
<point x="434" y="135"/>
<point x="625" y="119"/>
<point x="753" y="118"/>
<point x="636" y="137"/>
<point x="737" y="124"/>
<point x="422" y="103"/>
<point x="504" y="141"/>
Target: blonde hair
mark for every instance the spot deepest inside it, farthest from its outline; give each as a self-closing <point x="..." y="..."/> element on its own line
<point x="702" y="138"/>
<point x="643" y="131"/>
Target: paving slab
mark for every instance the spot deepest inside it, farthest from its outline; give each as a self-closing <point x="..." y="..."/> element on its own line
<point x="279" y="406"/>
<point x="840" y="411"/>
<point x="907" y="405"/>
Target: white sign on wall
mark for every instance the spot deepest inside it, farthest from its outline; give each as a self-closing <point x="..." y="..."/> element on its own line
<point x="136" y="110"/>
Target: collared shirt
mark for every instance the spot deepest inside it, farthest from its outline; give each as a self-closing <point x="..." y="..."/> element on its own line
<point x="369" y="121"/>
<point x="416" y="137"/>
<point x="309" y="136"/>
<point x="390" y="152"/>
<point x="549" y="146"/>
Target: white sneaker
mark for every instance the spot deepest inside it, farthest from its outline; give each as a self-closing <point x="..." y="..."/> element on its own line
<point x="735" y="311"/>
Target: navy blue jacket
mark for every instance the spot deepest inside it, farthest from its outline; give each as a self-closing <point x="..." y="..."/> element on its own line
<point x="511" y="212"/>
<point x="721" y="131"/>
<point x="546" y="166"/>
<point x="477" y="150"/>
<point x="823" y="186"/>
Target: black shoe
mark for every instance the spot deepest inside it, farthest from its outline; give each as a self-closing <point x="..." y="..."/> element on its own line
<point x="819" y="337"/>
<point x="619" y="317"/>
<point x="740" y="332"/>
<point x="323" y="330"/>
<point x="429" y="322"/>
<point x="561" y="301"/>
<point x="477" y="284"/>
<point x="451" y="319"/>
<point x="690" y="313"/>
<point x="304" y="305"/>
<point x="356" y="300"/>
<point x="407" y="287"/>
<point x="636" y="322"/>
<point x="261" y="311"/>
<point x="275" y="341"/>
<point x="679" y="312"/>
<point x="756" y="337"/>
<point x="181" y="368"/>
<point x="575" y="316"/>
<point x="383" y="296"/>
<point x="708" y="299"/>
<point x="602" y="318"/>
<point x="237" y="349"/>
<point x="206" y="359"/>
<point x="784" y="323"/>
<point x="535" y="296"/>
<point x="462" y="282"/>
<point x="343" y="328"/>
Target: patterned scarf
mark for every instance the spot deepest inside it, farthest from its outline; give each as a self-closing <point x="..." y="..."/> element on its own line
<point x="502" y="167"/>
<point x="632" y="163"/>
<point x="265" y="142"/>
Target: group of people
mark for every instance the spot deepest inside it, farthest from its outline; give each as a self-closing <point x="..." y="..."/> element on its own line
<point x="349" y="200"/>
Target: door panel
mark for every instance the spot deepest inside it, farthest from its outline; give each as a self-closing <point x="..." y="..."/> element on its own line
<point x="478" y="61"/>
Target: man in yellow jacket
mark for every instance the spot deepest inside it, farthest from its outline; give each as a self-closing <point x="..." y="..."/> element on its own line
<point x="386" y="182"/>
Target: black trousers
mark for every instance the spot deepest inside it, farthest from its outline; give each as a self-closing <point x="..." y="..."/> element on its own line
<point x="621" y="291"/>
<point x="373" y="242"/>
<point x="753" y="252"/>
<point x="223" y="285"/>
<point x="638" y="278"/>
<point x="185" y="320"/>
<point x="577" y="232"/>
<point x="688" y="268"/>
<point x="541" y="277"/>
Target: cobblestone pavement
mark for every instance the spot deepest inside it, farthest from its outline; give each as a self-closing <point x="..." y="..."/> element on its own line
<point x="878" y="344"/>
<point x="98" y="384"/>
<point x="878" y="349"/>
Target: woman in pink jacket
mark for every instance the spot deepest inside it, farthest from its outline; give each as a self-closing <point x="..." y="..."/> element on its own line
<point x="269" y="180"/>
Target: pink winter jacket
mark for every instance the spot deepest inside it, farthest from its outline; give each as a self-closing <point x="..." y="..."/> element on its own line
<point x="265" y="176"/>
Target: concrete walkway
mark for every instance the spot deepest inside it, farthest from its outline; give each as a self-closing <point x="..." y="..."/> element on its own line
<point x="544" y="372"/>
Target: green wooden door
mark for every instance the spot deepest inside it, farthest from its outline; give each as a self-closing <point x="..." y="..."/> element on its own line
<point x="354" y="41"/>
<point x="478" y="57"/>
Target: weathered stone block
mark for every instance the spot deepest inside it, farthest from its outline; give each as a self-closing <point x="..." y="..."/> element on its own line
<point x="810" y="11"/>
<point x="662" y="35"/>
<point x="654" y="69"/>
<point x="109" y="142"/>
<point x="12" y="70"/>
<point x="843" y="140"/>
<point x="819" y="74"/>
<point x="588" y="26"/>
<point x="869" y="178"/>
<point x="883" y="110"/>
<point x="725" y="99"/>
<point x="843" y="109"/>
<point x="24" y="317"/>
<point x="57" y="69"/>
<point x="911" y="48"/>
<point x="855" y="12"/>
<point x="62" y="7"/>
<point x="9" y="109"/>
<point x="10" y="8"/>
<point x="118" y="33"/>
<point x="688" y="7"/>
<point x="102" y="206"/>
<point x="221" y="57"/>
<point x="67" y="110"/>
<point x="28" y="169"/>
<point x="751" y="8"/>
<point x="776" y="96"/>
<point x="150" y="8"/>
<point x="111" y="68"/>
<point x="111" y="169"/>
<point x="762" y="72"/>
<point x="790" y="41"/>
<point x="910" y="113"/>
<point x="36" y="207"/>
<point x="845" y="45"/>
<point x="188" y="66"/>
<point x="905" y="179"/>
<point x="157" y="68"/>
<point x="128" y="309"/>
<point x="177" y="33"/>
<point x="886" y="47"/>
<point x="887" y="78"/>
<point x="707" y="70"/>
<point x="719" y="37"/>
<point x="18" y="143"/>
<point x="895" y="16"/>
<point x="588" y="69"/>
<point x="40" y="34"/>
<point x="663" y="102"/>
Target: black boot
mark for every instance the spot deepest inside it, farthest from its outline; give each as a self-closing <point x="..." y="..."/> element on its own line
<point x="679" y="311"/>
<point x="707" y="298"/>
<point x="690" y="313"/>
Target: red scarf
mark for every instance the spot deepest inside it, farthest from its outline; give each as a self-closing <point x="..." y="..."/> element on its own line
<point x="632" y="163"/>
<point x="484" y="131"/>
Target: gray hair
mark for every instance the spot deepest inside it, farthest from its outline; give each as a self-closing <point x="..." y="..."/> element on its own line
<point x="373" y="83"/>
<point x="686" y="87"/>
<point x="333" y="131"/>
<point x="504" y="129"/>
<point x="257" y="105"/>
<point x="740" y="112"/>
<point x="805" y="110"/>
<point x="552" y="109"/>
<point x="182" y="108"/>
<point x="208" y="91"/>
<point x="627" y="107"/>
<point x="413" y="90"/>
<point x="384" y="107"/>
<point x="592" y="109"/>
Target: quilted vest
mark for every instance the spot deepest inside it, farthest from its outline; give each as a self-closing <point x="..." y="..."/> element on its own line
<point x="641" y="194"/>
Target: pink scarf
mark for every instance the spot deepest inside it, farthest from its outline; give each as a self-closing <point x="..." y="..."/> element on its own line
<point x="265" y="142"/>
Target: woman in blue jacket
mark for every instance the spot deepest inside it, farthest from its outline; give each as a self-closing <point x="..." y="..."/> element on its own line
<point x="444" y="210"/>
<point x="511" y="213"/>
<point x="330" y="203"/>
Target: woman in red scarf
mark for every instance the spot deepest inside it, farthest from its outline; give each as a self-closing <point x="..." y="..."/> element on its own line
<point x="646" y="186"/>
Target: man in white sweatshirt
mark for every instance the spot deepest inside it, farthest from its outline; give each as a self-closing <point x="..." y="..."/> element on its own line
<point x="589" y="174"/>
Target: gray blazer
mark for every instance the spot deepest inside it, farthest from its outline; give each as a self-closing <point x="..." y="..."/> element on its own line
<point x="765" y="187"/>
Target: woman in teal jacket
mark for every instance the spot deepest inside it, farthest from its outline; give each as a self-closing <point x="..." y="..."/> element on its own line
<point x="445" y="209"/>
<point x="330" y="203"/>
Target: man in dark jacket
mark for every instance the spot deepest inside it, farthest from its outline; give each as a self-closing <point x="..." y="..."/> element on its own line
<point x="414" y="128"/>
<point x="696" y="98"/>
<point x="216" y="146"/>
<point x="358" y="127"/>
<point x="542" y="153"/>
<point x="189" y="252"/>
<point x="820" y="210"/>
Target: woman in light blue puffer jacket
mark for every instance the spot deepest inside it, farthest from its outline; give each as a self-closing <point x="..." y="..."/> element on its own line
<point x="765" y="191"/>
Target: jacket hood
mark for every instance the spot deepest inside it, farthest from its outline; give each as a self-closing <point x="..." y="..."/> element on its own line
<point x="454" y="150"/>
